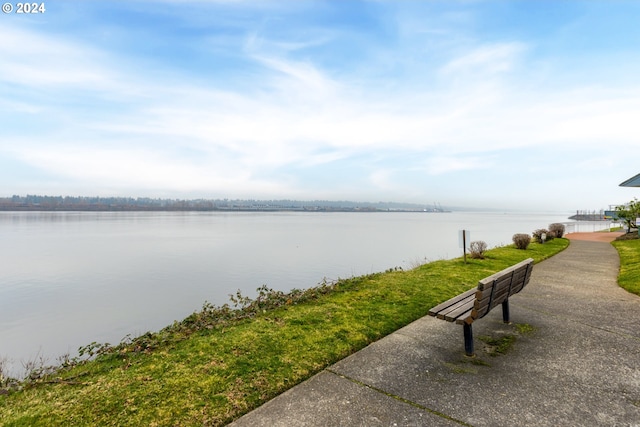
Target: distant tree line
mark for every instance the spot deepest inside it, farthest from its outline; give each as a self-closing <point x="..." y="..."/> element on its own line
<point x="83" y="203"/>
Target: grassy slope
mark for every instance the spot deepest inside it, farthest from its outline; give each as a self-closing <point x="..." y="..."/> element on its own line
<point x="629" y="277"/>
<point x="217" y="374"/>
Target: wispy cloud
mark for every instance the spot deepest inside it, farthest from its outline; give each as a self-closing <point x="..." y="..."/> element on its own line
<point x="33" y="60"/>
<point x="485" y="59"/>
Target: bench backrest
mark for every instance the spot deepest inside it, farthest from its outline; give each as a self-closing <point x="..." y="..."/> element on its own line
<point x="495" y="289"/>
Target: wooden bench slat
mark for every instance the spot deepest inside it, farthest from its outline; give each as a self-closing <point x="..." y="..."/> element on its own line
<point x="438" y="308"/>
<point x="467" y="302"/>
<point x="519" y="287"/>
<point x="500" y="283"/>
<point x="465" y="318"/>
<point x="498" y="289"/>
<point x="525" y="282"/>
<point x="479" y="313"/>
<point x="487" y="281"/>
<point x="511" y="283"/>
<point x="500" y="296"/>
<point x="484" y="299"/>
<point x="453" y="315"/>
<point x="494" y="299"/>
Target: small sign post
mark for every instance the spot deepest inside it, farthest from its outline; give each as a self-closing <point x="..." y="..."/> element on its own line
<point x="463" y="237"/>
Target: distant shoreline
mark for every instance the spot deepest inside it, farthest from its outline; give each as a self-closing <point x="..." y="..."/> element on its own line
<point x="33" y="203"/>
<point x="203" y="209"/>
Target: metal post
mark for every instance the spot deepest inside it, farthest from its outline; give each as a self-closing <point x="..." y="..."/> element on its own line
<point x="468" y="340"/>
<point x="505" y="311"/>
<point x="464" y="245"/>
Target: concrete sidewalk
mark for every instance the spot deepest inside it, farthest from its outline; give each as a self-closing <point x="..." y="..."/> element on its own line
<point x="578" y="365"/>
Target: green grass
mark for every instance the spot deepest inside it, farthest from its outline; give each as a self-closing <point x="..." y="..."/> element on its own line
<point x="629" y="277"/>
<point x="498" y="345"/>
<point x="212" y="374"/>
<point x="502" y="343"/>
<point x="524" y="328"/>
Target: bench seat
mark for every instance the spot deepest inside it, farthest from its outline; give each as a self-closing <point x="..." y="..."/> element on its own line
<point x="458" y="309"/>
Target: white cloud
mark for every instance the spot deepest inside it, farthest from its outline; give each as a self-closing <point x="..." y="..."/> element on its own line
<point x="139" y="168"/>
<point x="596" y="117"/>
<point x="438" y="165"/>
<point x="37" y="61"/>
<point x="299" y="78"/>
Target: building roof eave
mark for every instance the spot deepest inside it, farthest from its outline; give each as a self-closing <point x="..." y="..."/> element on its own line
<point x="632" y="182"/>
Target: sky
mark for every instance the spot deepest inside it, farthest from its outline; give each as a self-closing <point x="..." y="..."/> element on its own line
<point x="530" y="105"/>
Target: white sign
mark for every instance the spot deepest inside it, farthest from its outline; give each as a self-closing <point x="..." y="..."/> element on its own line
<point x="464" y="238"/>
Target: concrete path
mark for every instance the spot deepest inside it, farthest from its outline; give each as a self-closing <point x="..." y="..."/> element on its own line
<point x="575" y="361"/>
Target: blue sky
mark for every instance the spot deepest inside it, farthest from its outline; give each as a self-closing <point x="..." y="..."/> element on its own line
<point x="508" y="104"/>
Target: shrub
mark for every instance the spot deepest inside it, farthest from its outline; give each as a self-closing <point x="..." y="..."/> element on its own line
<point x="557" y="229"/>
<point x="521" y="240"/>
<point x="537" y="235"/>
<point x="477" y="249"/>
<point x="628" y="236"/>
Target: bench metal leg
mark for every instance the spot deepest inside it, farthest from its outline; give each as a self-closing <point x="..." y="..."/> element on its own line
<point x="505" y="311"/>
<point x="468" y="340"/>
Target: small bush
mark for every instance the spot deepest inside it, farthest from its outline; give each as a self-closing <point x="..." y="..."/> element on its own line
<point x="628" y="236"/>
<point x="521" y="240"/>
<point x="477" y="249"/>
<point x="537" y="235"/>
<point x="557" y="229"/>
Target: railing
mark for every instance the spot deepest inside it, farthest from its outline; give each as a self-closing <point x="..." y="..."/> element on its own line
<point x="589" y="226"/>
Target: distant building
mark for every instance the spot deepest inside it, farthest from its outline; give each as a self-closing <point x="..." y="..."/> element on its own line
<point x="632" y="182"/>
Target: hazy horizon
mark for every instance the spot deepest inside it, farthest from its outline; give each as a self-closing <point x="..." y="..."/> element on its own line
<point x="351" y="203"/>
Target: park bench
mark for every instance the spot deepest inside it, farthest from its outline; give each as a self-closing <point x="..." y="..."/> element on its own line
<point x="474" y="304"/>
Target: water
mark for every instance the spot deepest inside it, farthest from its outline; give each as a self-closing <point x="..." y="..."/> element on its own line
<point x="68" y="279"/>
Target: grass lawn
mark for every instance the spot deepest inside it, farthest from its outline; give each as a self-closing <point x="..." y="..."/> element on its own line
<point x="204" y="371"/>
<point x="629" y="277"/>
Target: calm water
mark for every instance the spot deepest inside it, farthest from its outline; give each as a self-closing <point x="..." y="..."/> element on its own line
<point x="68" y="279"/>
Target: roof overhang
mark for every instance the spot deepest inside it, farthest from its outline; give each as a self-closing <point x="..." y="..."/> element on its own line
<point x="632" y="182"/>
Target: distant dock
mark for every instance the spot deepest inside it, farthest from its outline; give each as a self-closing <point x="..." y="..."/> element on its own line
<point x="589" y="217"/>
